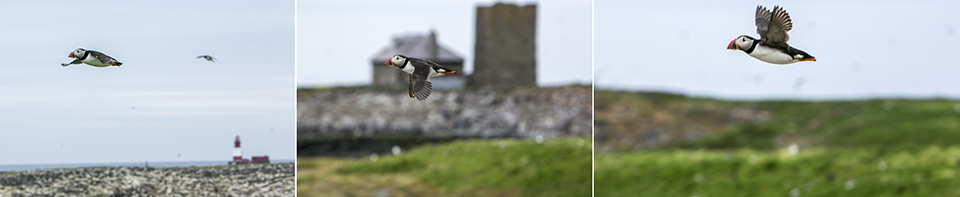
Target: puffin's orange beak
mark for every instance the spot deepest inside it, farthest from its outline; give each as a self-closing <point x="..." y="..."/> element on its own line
<point x="732" y="45"/>
<point x="809" y="59"/>
<point x="387" y="63"/>
<point x="71" y="55"/>
<point x="451" y="72"/>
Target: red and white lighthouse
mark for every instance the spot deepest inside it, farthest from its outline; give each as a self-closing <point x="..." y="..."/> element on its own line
<point x="237" y="154"/>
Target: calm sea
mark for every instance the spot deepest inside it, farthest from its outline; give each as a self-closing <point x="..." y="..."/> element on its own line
<point x="27" y="167"/>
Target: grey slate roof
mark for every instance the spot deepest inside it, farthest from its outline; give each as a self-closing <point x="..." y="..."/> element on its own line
<point x="417" y="46"/>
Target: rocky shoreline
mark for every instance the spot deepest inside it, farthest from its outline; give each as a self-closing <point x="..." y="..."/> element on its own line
<point x="241" y="180"/>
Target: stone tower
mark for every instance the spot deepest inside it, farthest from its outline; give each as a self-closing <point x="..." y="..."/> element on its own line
<point x="505" y="50"/>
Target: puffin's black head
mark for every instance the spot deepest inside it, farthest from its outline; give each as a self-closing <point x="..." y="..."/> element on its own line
<point x="741" y="43"/>
<point x="395" y="60"/>
<point x="77" y="53"/>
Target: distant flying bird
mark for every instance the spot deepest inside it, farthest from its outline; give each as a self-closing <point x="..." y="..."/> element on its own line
<point x="772" y="46"/>
<point x="92" y="58"/>
<point x="420" y="71"/>
<point x="208" y="58"/>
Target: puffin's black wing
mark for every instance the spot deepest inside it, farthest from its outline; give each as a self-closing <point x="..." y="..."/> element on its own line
<point x="773" y="26"/>
<point x="410" y="86"/>
<point x="420" y="81"/>
<point x="75" y="61"/>
<point x="104" y="58"/>
<point x="763" y="20"/>
<point x="208" y="58"/>
<point x="417" y="62"/>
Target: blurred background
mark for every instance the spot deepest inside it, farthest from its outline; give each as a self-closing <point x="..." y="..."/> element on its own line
<point x="514" y="120"/>
<point x="678" y="115"/>
<point x="163" y="104"/>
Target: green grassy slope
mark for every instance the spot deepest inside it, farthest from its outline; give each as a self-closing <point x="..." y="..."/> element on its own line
<point x="496" y="167"/>
<point x="894" y="124"/>
<point x="817" y="172"/>
<point x="888" y="147"/>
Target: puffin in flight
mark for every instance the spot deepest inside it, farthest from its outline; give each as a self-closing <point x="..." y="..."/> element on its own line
<point x="420" y="71"/>
<point x="208" y="58"/>
<point x="92" y="58"/>
<point x="772" y="46"/>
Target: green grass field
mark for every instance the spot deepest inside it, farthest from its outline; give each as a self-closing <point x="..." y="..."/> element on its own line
<point x="884" y="147"/>
<point x="816" y="172"/>
<point x="887" y="123"/>
<point x="494" y="167"/>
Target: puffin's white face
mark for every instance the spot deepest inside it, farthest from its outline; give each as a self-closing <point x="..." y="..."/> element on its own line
<point x="396" y="59"/>
<point x="741" y="43"/>
<point x="77" y="53"/>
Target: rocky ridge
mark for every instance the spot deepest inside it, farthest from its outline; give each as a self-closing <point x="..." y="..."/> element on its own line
<point x="522" y="112"/>
<point x="243" y="180"/>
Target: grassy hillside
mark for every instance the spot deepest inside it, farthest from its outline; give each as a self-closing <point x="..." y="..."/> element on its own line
<point x="495" y="167"/>
<point x="817" y="172"/>
<point x="630" y="121"/>
<point x="653" y="144"/>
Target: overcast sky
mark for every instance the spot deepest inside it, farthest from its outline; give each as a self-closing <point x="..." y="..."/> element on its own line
<point x="335" y="40"/>
<point x="863" y="49"/>
<point x="163" y="104"/>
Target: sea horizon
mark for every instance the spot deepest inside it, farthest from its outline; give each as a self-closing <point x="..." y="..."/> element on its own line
<point x="158" y="164"/>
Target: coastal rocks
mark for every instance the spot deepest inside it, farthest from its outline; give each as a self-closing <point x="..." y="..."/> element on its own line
<point x="242" y="180"/>
<point x="522" y="113"/>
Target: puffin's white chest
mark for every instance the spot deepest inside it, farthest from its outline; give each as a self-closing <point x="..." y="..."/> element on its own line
<point x="408" y="68"/>
<point x="93" y="61"/>
<point x="771" y="55"/>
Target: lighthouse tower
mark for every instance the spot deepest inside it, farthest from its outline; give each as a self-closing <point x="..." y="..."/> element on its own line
<point x="237" y="154"/>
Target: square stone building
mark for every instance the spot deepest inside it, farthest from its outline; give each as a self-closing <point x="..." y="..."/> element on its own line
<point x="504" y="56"/>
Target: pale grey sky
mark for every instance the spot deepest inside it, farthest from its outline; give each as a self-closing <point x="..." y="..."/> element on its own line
<point x="163" y="102"/>
<point x="335" y="40"/>
<point x="863" y="49"/>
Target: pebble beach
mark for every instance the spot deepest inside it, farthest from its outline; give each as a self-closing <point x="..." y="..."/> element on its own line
<point x="241" y="180"/>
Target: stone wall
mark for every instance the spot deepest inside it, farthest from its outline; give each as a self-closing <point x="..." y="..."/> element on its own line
<point x="505" y="47"/>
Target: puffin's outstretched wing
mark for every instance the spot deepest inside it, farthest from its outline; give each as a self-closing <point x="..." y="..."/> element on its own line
<point x="410" y="86"/>
<point x="208" y="58"/>
<point x="773" y="26"/>
<point x="763" y="20"/>
<point x="75" y="61"/>
<point x="420" y="82"/>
